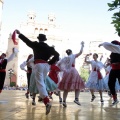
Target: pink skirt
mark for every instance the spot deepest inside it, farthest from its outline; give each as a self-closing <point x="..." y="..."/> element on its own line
<point x="71" y="80"/>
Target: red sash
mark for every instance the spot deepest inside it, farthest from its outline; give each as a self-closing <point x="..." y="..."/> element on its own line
<point x="115" y="66"/>
<point x="39" y="61"/>
<point x="2" y="70"/>
<point x="98" y="73"/>
<point x="29" y="71"/>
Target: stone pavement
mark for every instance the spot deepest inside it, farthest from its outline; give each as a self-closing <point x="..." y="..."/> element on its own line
<point x="14" y="106"/>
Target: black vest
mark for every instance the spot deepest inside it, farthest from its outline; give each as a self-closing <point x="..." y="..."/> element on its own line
<point x="115" y="58"/>
<point x="3" y="64"/>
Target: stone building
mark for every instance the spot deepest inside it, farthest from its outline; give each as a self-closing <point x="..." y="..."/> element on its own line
<point x="1" y="8"/>
<point x="93" y="48"/>
<point x="31" y="29"/>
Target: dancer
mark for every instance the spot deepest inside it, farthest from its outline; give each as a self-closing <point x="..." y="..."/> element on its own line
<point x="32" y="83"/>
<point x="42" y="59"/>
<point x="71" y="80"/>
<point x="114" y="47"/>
<point x="108" y="69"/>
<point x="52" y="80"/>
<point x="95" y="80"/>
<point x="28" y="71"/>
<point x="3" y="64"/>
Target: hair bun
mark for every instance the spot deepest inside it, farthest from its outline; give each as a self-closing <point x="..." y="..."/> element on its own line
<point x="68" y="51"/>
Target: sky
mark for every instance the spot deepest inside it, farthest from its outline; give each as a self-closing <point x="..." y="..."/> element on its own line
<point x="81" y="20"/>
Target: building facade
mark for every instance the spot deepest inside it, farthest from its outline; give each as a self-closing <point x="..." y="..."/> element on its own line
<point x="31" y="29"/>
<point x="93" y="48"/>
<point x="1" y="9"/>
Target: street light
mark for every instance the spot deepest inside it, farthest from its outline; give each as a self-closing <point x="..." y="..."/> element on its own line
<point x="11" y="72"/>
<point x="21" y="79"/>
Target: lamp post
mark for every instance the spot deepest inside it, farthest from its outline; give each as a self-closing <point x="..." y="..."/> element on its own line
<point x="11" y="72"/>
<point x="21" y="79"/>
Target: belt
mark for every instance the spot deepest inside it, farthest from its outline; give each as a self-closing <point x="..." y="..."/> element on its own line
<point x="115" y="66"/>
<point x="39" y="61"/>
<point x="2" y="70"/>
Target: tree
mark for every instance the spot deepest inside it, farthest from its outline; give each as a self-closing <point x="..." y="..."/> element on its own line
<point x="84" y="73"/>
<point x="115" y="5"/>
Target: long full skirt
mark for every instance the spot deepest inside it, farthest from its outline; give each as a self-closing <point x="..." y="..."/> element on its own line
<point x="71" y="80"/>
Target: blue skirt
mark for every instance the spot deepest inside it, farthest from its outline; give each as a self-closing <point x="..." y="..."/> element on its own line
<point x="98" y="85"/>
<point x="33" y="86"/>
<point x="50" y="84"/>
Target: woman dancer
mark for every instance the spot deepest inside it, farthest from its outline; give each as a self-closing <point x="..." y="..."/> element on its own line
<point x="3" y="64"/>
<point x="32" y="83"/>
<point x="52" y="79"/>
<point x="95" y="80"/>
<point x="114" y="47"/>
<point x="29" y="71"/>
<point x="71" y="80"/>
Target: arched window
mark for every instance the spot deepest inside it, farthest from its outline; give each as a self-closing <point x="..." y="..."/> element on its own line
<point x="36" y="31"/>
<point x="41" y="30"/>
<point x="45" y="30"/>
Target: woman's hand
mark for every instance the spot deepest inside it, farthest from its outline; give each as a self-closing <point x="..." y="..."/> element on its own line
<point x="82" y="43"/>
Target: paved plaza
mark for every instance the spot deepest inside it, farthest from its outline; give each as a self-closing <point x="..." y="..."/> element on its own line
<point x="14" y="106"/>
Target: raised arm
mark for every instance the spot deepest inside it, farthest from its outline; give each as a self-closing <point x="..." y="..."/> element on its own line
<point x="111" y="47"/>
<point x="81" y="50"/>
<point x="11" y="57"/>
<point x="101" y="57"/>
<point x="25" y="39"/>
<point x="88" y="62"/>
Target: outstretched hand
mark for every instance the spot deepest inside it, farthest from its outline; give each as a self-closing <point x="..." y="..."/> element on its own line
<point x="99" y="45"/>
<point x="82" y="43"/>
<point x="17" y="31"/>
<point x="15" y="50"/>
<point x="89" y="54"/>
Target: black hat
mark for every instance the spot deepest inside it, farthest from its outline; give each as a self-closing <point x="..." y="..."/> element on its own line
<point x="42" y="37"/>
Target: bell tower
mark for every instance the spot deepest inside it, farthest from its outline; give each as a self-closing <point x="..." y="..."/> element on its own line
<point x="51" y="19"/>
<point x="31" y="17"/>
<point x="31" y="23"/>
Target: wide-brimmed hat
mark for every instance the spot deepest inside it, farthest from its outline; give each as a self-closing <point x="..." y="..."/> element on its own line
<point x="42" y="37"/>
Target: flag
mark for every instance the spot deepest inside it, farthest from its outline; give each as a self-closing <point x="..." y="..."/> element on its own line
<point x="14" y="38"/>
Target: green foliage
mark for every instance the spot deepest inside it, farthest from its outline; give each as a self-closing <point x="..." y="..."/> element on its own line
<point x="84" y="73"/>
<point x="115" y="5"/>
<point x="12" y="84"/>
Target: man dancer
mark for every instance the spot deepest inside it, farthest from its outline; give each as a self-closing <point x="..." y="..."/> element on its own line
<point x="3" y="64"/>
<point x="43" y="56"/>
<point x="114" y="47"/>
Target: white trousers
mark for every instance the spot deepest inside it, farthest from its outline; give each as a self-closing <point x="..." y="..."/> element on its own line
<point x="41" y="70"/>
